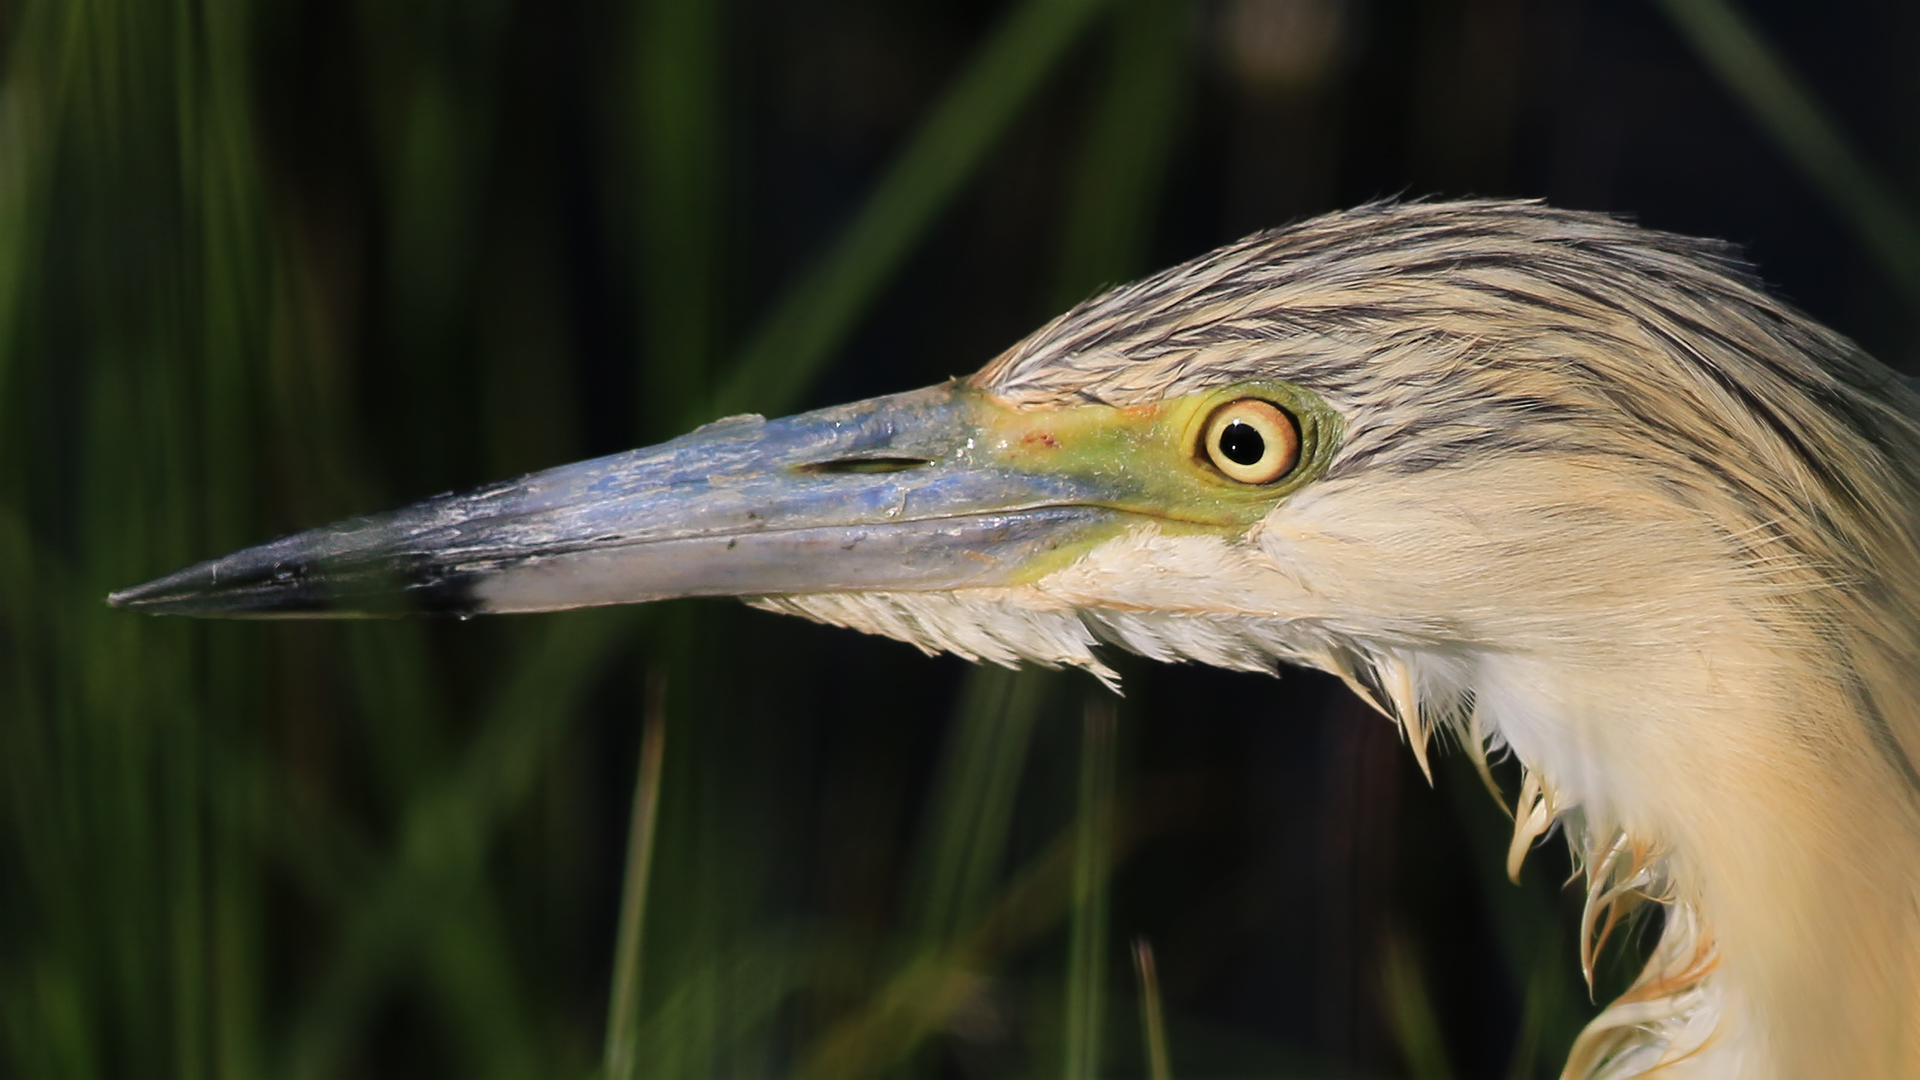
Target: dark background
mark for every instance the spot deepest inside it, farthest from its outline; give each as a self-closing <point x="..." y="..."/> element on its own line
<point x="264" y="263"/>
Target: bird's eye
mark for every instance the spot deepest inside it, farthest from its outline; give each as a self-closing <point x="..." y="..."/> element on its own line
<point x="1252" y="441"/>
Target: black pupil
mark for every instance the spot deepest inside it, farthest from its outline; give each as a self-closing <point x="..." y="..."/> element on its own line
<point x="1242" y="444"/>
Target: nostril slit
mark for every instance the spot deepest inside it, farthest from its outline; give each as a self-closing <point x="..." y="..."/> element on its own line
<point x="867" y="465"/>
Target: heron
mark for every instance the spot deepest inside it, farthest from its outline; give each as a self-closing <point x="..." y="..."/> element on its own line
<point x="1541" y="483"/>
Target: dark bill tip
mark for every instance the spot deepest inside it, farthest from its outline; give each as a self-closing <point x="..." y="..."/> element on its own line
<point x="283" y="579"/>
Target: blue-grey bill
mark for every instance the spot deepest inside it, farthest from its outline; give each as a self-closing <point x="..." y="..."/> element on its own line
<point x="888" y="494"/>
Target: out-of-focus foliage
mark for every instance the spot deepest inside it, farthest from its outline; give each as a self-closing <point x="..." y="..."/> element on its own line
<point x="264" y="263"/>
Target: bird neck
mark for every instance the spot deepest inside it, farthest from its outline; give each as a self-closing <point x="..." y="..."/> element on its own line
<point x="1749" y="784"/>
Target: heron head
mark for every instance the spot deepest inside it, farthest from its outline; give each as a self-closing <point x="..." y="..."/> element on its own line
<point x="1403" y="430"/>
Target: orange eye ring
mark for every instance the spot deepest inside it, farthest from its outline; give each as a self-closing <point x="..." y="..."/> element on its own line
<point x="1252" y="441"/>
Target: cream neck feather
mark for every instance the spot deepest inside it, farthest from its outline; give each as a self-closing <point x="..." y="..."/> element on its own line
<point x="1700" y="757"/>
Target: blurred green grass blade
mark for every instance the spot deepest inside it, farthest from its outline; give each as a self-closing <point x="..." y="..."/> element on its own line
<point x="806" y="328"/>
<point x="621" y="1058"/>
<point x="756" y="978"/>
<point x="222" y="945"/>
<point x="1086" y="982"/>
<point x="680" y="125"/>
<point x="1542" y="1004"/>
<point x="156" y="203"/>
<point x="402" y="717"/>
<point x="53" y="998"/>
<point x="1123" y="163"/>
<point x="107" y="803"/>
<point x="435" y="181"/>
<point x="187" y="921"/>
<point x="712" y="849"/>
<point x="1754" y="73"/>
<point x="232" y="262"/>
<point x="973" y="799"/>
<point x="922" y="994"/>
<point x="241" y="961"/>
<point x="1153" y="1028"/>
<point x="461" y="955"/>
<point x="447" y="830"/>
<point x="32" y="99"/>
<point x="473" y="986"/>
<point x="1410" y="1012"/>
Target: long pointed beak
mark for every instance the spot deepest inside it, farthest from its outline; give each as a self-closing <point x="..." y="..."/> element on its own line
<point x="905" y="492"/>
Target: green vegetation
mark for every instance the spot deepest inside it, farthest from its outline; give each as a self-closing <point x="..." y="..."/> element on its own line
<point x="264" y="264"/>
